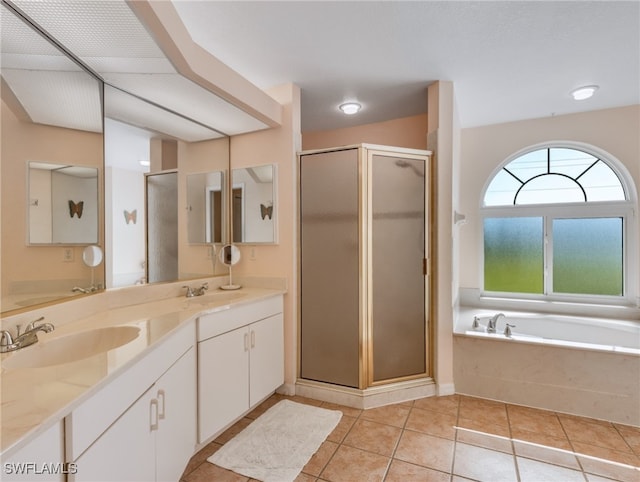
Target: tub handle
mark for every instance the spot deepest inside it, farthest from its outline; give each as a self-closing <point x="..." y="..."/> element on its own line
<point x="507" y="330"/>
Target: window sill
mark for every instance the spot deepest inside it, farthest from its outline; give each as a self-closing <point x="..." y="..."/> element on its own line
<point x="473" y="297"/>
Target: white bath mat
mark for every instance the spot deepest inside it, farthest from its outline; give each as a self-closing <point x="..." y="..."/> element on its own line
<point x="279" y="443"/>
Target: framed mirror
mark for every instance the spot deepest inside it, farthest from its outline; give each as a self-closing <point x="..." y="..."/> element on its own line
<point x="62" y="204"/>
<point x="52" y="114"/>
<point x="253" y="205"/>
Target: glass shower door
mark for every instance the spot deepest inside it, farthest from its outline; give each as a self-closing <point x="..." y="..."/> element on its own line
<point x="397" y="279"/>
<point x="330" y="268"/>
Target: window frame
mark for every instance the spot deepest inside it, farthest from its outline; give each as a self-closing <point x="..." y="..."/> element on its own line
<point x="627" y="210"/>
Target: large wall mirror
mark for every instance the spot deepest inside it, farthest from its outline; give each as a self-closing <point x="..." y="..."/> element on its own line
<point x="145" y="147"/>
<point x="57" y="117"/>
<point x="51" y="120"/>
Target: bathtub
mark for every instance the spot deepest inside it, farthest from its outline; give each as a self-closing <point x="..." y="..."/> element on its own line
<point x="577" y="365"/>
<point x="571" y="332"/>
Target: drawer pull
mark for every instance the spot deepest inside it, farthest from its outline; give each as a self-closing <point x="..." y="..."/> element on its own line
<point x="153" y="414"/>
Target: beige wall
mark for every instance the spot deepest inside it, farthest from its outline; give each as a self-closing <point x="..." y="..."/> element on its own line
<point x="404" y="132"/>
<point x="277" y="146"/>
<point x="22" y="142"/>
<point x="485" y="148"/>
<point x="443" y="141"/>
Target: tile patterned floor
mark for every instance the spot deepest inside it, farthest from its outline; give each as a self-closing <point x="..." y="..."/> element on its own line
<point x="453" y="439"/>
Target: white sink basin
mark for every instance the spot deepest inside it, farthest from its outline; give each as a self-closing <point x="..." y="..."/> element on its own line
<point x="71" y="348"/>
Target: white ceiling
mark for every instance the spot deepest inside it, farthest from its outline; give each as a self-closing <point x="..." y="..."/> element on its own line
<point x="509" y="60"/>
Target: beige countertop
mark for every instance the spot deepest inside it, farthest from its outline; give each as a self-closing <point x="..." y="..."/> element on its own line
<point x="33" y="399"/>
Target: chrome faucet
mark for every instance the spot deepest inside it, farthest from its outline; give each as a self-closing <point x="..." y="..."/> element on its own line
<point x="200" y="291"/>
<point x="493" y="322"/>
<point x="29" y="337"/>
<point x="191" y="292"/>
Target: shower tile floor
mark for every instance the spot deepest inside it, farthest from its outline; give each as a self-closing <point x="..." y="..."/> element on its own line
<point x="453" y="439"/>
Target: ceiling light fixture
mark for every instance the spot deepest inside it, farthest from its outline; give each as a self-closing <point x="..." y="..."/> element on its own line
<point x="145" y="163"/>
<point x="350" y="108"/>
<point x="582" y="93"/>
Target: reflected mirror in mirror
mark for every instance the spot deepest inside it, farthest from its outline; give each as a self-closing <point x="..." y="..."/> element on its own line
<point x="206" y="207"/>
<point x="253" y="204"/>
<point x="51" y="113"/>
<point x="63" y="204"/>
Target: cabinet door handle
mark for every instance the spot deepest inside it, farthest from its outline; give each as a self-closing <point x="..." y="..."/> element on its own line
<point x="253" y="339"/>
<point x="246" y="342"/>
<point x="161" y="410"/>
<point x="153" y="414"/>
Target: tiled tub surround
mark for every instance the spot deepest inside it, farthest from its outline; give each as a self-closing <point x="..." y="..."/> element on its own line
<point x="453" y="439"/>
<point x="596" y="377"/>
<point x="35" y="399"/>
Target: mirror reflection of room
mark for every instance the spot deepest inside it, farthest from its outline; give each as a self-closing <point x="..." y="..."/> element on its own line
<point x="253" y="207"/>
<point x="51" y="115"/>
<point x="63" y="204"/>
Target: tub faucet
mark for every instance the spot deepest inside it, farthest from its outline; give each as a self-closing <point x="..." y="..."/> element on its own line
<point x="493" y="322"/>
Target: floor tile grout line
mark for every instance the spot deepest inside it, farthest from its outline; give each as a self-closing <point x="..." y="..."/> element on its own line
<point x="513" y="447"/>
<point x="395" y="448"/>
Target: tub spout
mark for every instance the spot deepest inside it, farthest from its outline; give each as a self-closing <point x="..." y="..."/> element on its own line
<point x="493" y="322"/>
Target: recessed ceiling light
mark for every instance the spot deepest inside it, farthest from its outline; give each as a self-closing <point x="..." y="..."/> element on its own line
<point x="582" y="93"/>
<point x="350" y="108"/>
<point x="145" y="163"/>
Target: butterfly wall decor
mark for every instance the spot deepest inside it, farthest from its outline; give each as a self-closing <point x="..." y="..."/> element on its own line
<point x="266" y="211"/>
<point x="75" y="208"/>
<point x="131" y="216"/>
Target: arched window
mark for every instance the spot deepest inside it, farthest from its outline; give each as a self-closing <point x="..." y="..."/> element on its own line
<point x="556" y="225"/>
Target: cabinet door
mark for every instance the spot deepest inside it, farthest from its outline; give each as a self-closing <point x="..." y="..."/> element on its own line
<point x="126" y="451"/>
<point x="223" y="386"/>
<point x="41" y="460"/>
<point x="267" y="357"/>
<point x="176" y="435"/>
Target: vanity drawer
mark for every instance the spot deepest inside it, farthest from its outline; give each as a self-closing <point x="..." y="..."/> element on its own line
<point x="214" y="324"/>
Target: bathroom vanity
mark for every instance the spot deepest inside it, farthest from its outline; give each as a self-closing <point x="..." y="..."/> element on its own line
<point x="140" y="410"/>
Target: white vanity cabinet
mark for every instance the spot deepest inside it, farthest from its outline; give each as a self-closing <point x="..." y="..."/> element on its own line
<point x="240" y="362"/>
<point x="39" y="461"/>
<point x="155" y="435"/>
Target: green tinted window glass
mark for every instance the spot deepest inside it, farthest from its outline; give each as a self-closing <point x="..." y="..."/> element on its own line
<point x="513" y="255"/>
<point x="588" y="256"/>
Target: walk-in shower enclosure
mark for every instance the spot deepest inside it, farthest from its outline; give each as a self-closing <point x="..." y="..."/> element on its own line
<point x="364" y="262"/>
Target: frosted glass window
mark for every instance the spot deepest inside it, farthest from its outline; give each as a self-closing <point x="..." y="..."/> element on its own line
<point x="513" y="255"/>
<point x="587" y="256"/>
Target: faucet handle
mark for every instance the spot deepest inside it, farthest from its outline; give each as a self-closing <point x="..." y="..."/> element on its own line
<point x="32" y="324"/>
<point x="190" y="292"/>
<point x="507" y="330"/>
<point x="205" y="286"/>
